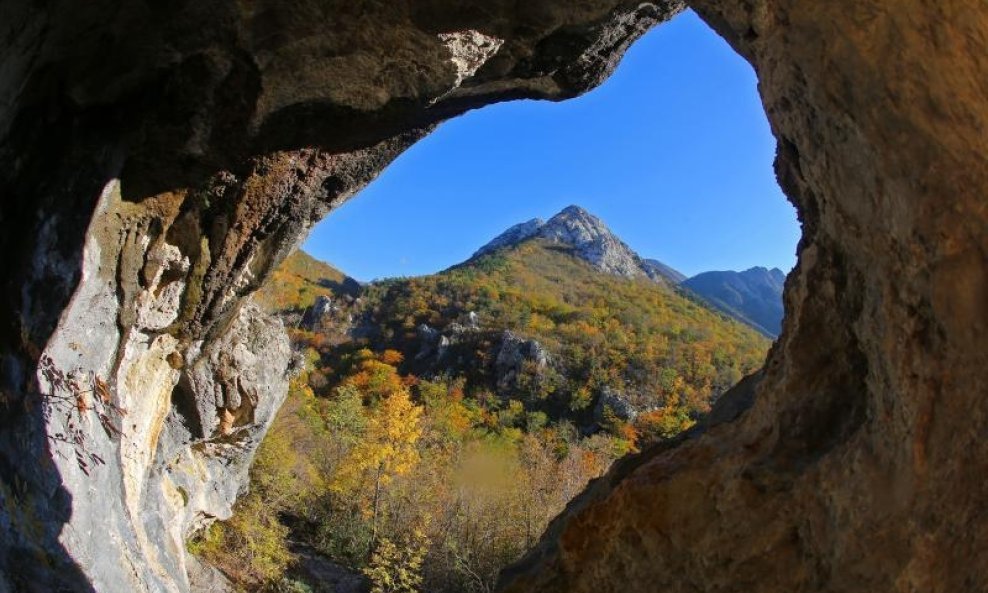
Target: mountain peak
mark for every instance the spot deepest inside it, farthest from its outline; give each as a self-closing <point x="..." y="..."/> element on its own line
<point x="575" y="226"/>
<point x="591" y="240"/>
<point x="574" y="210"/>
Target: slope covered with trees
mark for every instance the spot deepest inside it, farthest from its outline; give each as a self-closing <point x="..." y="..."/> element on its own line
<point x="300" y="280"/>
<point x="439" y="423"/>
<point x="650" y="346"/>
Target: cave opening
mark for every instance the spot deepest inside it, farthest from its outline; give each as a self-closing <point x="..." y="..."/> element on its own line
<point x="858" y="466"/>
<point x="491" y="427"/>
<point x="673" y="151"/>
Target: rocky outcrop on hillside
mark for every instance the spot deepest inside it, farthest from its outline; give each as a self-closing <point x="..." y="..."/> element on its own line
<point x="612" y="401"/>
<point x="338" y="318"/>
<point x="326" y="576"/>
<point x="195" y="143"/>
<point x="432" y="343"/>
<point x="513" y="359"/>
<point x="518" y="359"/>
<point x="590" y="240"/>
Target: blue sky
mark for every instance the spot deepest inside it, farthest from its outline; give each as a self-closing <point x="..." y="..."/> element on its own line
<point x="673" y="152"/>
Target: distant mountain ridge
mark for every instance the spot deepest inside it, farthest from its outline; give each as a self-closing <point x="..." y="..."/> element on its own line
<point x="591" y="240"/>
<point x="753" y="296"/>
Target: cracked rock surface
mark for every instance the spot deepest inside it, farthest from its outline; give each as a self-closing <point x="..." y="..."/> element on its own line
<point x="159" y="162"/>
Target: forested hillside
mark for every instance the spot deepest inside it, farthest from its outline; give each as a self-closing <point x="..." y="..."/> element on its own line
<point x="646" y="347"/>
<point x="438" y="423"/>
<point x="300" y="280"/>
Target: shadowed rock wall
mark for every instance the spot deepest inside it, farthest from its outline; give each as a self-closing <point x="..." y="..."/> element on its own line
<point x="161" y="160"/>
<point x="860" y="464"/>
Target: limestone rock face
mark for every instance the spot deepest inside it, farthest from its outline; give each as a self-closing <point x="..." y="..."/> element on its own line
<point x="615" y="402"/>
<point x="859" y="465"/>
<point x="517" y="356"/>
<point x="159" y="162"/>
<point x="160" y="159"/>
<point x="515" y="234"/>
<point x="593" y="241"/>
<point x="204" y="578"/>
<point x="590" y="240"/>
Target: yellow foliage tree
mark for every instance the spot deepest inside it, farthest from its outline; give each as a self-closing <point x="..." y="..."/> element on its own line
<point x="387" y="451"/>
<point x="376" y="379"/>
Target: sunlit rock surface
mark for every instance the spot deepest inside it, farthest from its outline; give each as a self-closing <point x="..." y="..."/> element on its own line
<point x="859" y="465"/>
<point x="589" y="238"/>
<point x="160" y="160"/>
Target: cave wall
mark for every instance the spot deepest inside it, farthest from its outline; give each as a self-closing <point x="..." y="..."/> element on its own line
<point x="860" y="463"/>
<point x="162" y="159"/>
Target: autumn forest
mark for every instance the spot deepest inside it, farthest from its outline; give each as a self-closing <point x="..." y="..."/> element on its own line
<point x="435" y="425"/>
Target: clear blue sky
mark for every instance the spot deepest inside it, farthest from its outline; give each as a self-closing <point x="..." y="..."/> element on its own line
<point x="673" y="152"/>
